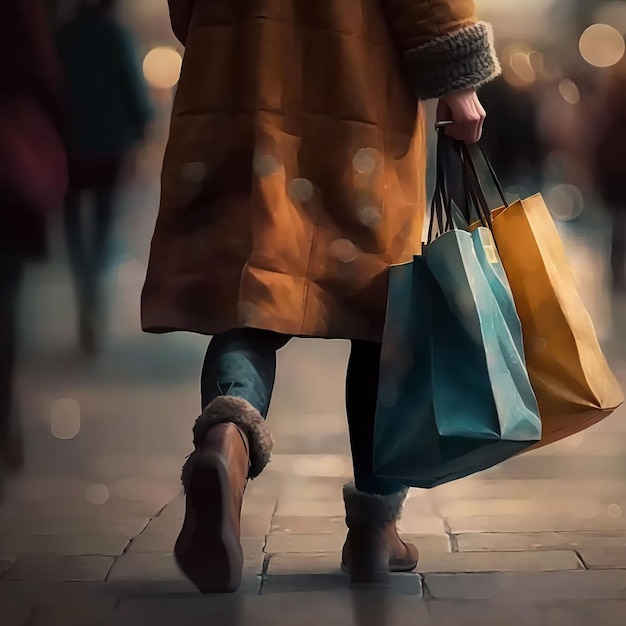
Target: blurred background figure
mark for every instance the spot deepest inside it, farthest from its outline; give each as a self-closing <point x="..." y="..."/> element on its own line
<point x="33" y="178"/>
<point x="108" y="112"/>
<point x="511" y="136"/>
<point x="610" y="170"/>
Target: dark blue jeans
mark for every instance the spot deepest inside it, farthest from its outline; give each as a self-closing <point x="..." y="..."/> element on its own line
<point x="242" y="363"/>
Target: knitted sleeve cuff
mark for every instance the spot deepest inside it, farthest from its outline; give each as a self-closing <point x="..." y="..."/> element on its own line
<point x="463" y="59"/>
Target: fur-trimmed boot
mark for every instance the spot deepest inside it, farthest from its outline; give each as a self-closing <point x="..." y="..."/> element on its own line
<point x="373" y="548"/>
<point x="232" y="443"/>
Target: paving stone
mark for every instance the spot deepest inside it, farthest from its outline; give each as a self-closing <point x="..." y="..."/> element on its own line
<point x="521" y="507"/>
<point x="14" y="612"/>
<point x="259" y="506"/>
<point x="74" y="526"/>
<point x="52" y="603"/>
<point x="161" y="567"/>
<point x="470" y="542"/>
<point x="540" y="561"/>
<point x="516" y="613"/>
<point x="423" y="506"/>
<point x="74" y="614"/>
<point x="308" y="525"/>
<point x="312" y="488"/>
<point x="145" y="567"/>
<point x="304" y="563"/>
<point x="604" y="558"/>
<point x="421" y="525"/>
<point x="68" y="545"/>
<point x="310" y="508"/>
<point x="5" y="564"/>
<point x="429" y="543"/>
<point x="313" y="465"/>
<point x="161" y="534"/>
<point x="334" y="607"/>
<point x="284" y="543"/>
<point x="253" y="526"/>
<point x="556" y="487"/>
<point x="531" y="587"/>
<point x="174" y="509"/>
<point x="60" y="568"/>
<point x="480" y="613"/>
<point x="285" y="585"/>
<point x="535" y="523"/>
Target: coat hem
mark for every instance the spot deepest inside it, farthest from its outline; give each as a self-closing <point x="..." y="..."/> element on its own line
<point x="210" y="329"/>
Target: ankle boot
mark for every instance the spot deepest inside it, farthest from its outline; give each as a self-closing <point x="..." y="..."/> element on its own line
<point x="232" y="444"/>
<point x="373" y="548"/>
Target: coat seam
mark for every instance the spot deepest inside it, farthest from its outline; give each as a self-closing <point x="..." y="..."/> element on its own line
<point x="307" y="277"/>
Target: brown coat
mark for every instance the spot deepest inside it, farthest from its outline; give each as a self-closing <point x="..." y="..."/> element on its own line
<point x="294" y="174"/>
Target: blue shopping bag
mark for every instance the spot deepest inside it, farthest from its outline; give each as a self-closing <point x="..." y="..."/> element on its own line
<point x="454" y="394"/>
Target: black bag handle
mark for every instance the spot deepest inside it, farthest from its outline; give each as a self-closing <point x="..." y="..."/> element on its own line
<point x="443" y="206"/>
<point x="470" y="154"/>
<point x="475" y="179"/>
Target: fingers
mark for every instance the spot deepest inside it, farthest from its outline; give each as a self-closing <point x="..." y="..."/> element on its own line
<point x="467" y="115"/>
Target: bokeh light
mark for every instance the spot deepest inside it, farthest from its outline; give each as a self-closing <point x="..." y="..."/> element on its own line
<point x="65" y="418"/>
<point x="569" y="91"/>
<point x="602" y="45"/>
<point x="161" y="67"/>
<point x="566" y="202"/>
<point x="518" y="66"/>
<point x="97" y="494"/>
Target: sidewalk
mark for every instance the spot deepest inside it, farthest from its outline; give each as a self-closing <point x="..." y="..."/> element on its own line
<point x="87" y="532"/>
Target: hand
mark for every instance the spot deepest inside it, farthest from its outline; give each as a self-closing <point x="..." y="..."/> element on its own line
<point x="466" y="112"/>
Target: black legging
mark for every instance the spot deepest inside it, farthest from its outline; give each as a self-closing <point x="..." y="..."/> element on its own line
<point x="242" y="363"/>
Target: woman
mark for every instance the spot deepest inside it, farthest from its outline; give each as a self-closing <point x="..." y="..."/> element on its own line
<point x="293" y="178"/>
<point x="33" y="179"/>
<point x="108" y="111"/>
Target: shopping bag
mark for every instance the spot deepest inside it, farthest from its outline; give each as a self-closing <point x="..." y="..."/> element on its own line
<point x="573" y="382"/>
<point x="454" y="394"/>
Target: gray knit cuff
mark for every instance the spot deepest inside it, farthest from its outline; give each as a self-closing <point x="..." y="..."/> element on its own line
<point x="463" y="59"/>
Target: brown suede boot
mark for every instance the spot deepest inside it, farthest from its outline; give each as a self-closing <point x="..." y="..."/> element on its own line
<point x="373" y="548"/>
<point x="232" y="444"/>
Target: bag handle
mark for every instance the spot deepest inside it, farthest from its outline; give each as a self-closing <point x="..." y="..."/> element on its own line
<point x="472" y="198"/>
<point x="470" y="154"/>
<point x="469" y="158"/>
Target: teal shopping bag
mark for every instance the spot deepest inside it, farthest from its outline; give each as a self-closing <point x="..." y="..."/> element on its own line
<point x="454" y="394"/>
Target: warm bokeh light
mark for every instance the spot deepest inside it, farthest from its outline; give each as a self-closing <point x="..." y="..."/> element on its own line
<point x="569" y="91"/>
<point x="566" y="202"/>
<point x="602" y="45"/>
<point x="517" y="66"/>
<point x="161" y="67"/>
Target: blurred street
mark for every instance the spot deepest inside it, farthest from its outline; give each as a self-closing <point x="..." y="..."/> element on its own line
<point x="87" y="531"/>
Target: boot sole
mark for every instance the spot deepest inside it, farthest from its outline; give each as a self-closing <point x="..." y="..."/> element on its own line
<point x="207" y="550"/>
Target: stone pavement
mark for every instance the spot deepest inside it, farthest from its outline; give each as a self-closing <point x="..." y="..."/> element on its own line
<point x="86" y="532"/>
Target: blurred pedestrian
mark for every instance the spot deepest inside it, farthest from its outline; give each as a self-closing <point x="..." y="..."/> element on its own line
<point x="108" y="112"/>
<point x="33" y="180"/>
<point x="294" y="176"/>
<point x="511" y="137"/>
<point x="610" y="170"/>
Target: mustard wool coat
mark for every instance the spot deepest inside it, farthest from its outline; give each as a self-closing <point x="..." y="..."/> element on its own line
<point x="294" y="175"/>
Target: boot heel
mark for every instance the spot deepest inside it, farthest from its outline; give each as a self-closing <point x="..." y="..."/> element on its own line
<point x="207" y="551"/>
<point x="369" y="564"/>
